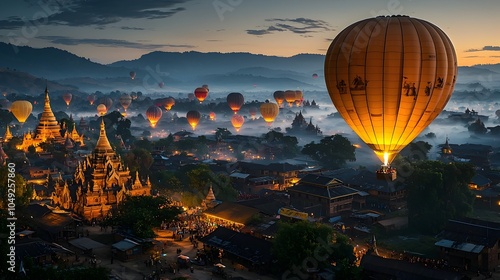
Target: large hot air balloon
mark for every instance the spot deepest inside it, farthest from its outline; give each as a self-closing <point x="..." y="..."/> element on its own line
<point x="91" y="99"/>
<point x="299" y="96"/>
<point x="269" y="111"/>
<point x="235" y="100"/>
<point x="169" y="103"/>
<point x="253" y="112"/>
<point x="101" y="109"/>
<point x="290" y="97"/>
<point x="237" y="121"/>
<point x="279" y="96"/>
<point x="106" y="101"/>
<point x="201" y="93"/>
<point x="21" y="109"/>
<point x="132" y="75"/>
<point x="389" y="78"/>
<point x="67" y="98"/>
<point x="153" y="114"/>
<point x="212" y="116"/>
<point x="193" y="118"/>
<point x="125" y="101"/>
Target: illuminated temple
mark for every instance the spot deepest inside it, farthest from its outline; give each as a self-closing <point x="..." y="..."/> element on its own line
<point x="99" y="184"/>
<point x="47" y="130"/>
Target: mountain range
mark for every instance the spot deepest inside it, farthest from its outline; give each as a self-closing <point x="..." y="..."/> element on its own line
<point x="26" y="67"/>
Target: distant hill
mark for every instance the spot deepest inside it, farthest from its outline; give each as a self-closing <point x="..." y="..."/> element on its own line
<point x="53" y="63"/>
<point x="23" y="83"/>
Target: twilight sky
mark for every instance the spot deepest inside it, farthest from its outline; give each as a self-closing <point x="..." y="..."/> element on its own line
<point x="109" y="30"/>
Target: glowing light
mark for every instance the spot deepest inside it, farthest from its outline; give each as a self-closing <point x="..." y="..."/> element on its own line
<point x="386" y="158"/>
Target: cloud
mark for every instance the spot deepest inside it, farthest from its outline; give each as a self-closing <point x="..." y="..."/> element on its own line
<point x="99" y="13"/>
<point x="62" y="40"/>
<point x="131" y="28"/>
<point x="299" y="26"/>
<point x="485" y="48"/>
<point x="214" y="40"/>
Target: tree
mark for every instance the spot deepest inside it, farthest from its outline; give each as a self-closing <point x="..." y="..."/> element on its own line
<point x="123" y="129"/>
<point x="332" y="151"/>
<point x="303" y="245"/>
<point x="222" y="133"/>
<point x="138" y="160"/>
<point x="416" y="151"/>
<point x="140" y="214"/>
<point x="438" y="192"/>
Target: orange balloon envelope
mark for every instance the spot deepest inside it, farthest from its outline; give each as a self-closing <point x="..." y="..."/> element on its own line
<point x="101" y="109"/>
<point x="193" y="118"/>
<point x="153" y="114"/>
<point x="279" y="96"/>
<point x="253" y="112"/>
<point x="169" y="103"/>
<point x="290" y="97"/>
<point x="201" y="93"/>
<point x="237" y="121"/>
<point x="212" y="116"/>
<point x="389" y="78"/>
<point x="269" y="111"/>
<point x="91" y="99"/>
<point x="21" y="109"/>
<point x="235" y="100"/>
<point x="299" y="96"/>
<point x="67" y="98"/>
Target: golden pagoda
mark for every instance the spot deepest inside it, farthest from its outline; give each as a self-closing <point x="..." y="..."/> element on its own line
<point x="8" y="135"/>
<point x="100" y="183"/>
<point x="48" y="129"/>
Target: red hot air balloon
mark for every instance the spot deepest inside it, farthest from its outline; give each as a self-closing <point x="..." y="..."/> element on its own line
<point x="67" y="98"/>
<point x="235" y="100"/>
<point x="201" y="93"/>
<point x="91" y="99"/>
<point x="279" y="96"/>
<point x="212" y="116"/>
<point x="237" y="121"/>
<point x="193" y="118"/>
<point x="153" y="114"/>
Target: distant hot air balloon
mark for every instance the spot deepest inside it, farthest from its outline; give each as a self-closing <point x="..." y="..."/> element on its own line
<point x="21" y="109"/>
<point x="169" y="102"/>
<point x="269" y="111"/>
<point x="201" y="93"/>
<point x="125" y="101"/>
<point x="161" y="84"/>
<point x="235" y="100"/>
<point x="253" y="112"/>
<point x="237" y="121"/>
<point x="193" y="118"/>
<point x="299" y="96"/>
<point x="389" y="78"/>
<point x="133" y="95"/>
<point x="91" y="99"/>
<point x="212" y="116"/>
<point x="101" y="109"/>
<point x="67" y="98"/>
<point x="153" y="114"/>
<point x="290" y="97"/>
<point x="315" y="76"/>
<point x="132" y="75"/>
<point x="191" y="96"/>
<point x="205" y="86"/>
<point x="497" y="112"/>
<point x="106" y="101"/>
<point x="279" y="96"/>
<point x="5" y="104"/>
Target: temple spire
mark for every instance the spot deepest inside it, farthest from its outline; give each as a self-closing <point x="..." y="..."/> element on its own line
<point x="103" y="142"/>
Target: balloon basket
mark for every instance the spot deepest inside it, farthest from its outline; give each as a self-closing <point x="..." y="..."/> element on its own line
<point x="386" y="173"/>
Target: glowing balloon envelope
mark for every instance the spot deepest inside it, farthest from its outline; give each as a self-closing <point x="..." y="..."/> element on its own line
<point x="253" y="112"/>
<point x="106" y="101"/>
<point x="193" y="118"/>
<point x="389" y="78"/>
<point x="269" y="111"/>
<point x="91" y="99"/>
<point x="212" y="116"/>
<point x="153" y="114"/>
<point x="21" y="109"/>
<point x="299" y="96"/>
<point x="101" y="109"/>
<point x="169" y="103"/>
<point x="235" y="100"/>
<point x="201" y="93"/>
<point x="67" y="98"/>
<point x="290" y="97"/>
<point x="125" y="101"/>
<point x="279" y="96"/>
<point x="237" y="121"/>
